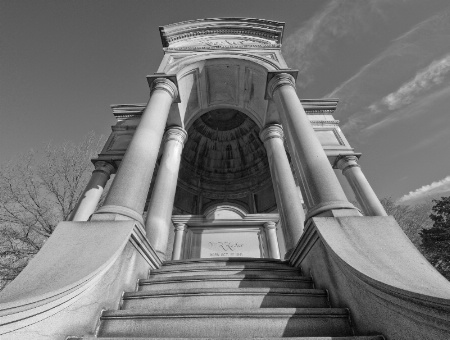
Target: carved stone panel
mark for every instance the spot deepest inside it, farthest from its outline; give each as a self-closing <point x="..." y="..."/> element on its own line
<point x="225" y="242"/>
<point x="222" y="84"/>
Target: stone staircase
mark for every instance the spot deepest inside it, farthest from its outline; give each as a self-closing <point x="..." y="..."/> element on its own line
<point x="226" y="298"/>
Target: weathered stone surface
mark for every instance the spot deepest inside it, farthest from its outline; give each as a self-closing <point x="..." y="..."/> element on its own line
<point x="82" y="268"/>
<point x="182" y="311"/>
<point x="226" y="281"/>
<point x="216" y="323"/>
<point x="369" y="264"/>
<point x="226" y="270"/>
<point x="217" y="298"/>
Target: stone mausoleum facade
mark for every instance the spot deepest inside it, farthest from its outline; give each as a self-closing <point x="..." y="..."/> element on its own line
<point x="226" y="210"/>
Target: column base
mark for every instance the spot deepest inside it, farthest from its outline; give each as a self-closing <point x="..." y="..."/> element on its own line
<point x="116" y="213"/>
<point x="328" y="209"/>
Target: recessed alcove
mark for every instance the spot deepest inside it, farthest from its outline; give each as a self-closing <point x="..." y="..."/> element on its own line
<point x="224" y="160"/>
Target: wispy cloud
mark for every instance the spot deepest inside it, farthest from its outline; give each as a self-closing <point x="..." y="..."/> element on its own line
<point x="365" y="105"/>
<point x="434" y="74"/>
<point x="430" y="190"/>
<point x="307" y="47"/>
<point x="421" y="103"/>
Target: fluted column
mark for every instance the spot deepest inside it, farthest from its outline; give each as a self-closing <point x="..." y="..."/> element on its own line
<point x="160" y="207"/>
<point x="180" y="230"/>
<point x="92" y="193"/>
<point x="363" y="191"/>
<point x="129" y="190"/>
<point x="286" y="193"/>
<point x="272" y="241"/>
<point x="321" y="189"/>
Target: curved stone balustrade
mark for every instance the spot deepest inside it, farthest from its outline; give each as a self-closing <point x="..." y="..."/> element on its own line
<point x="82" y="268"/>
<point x="369" y="265"/>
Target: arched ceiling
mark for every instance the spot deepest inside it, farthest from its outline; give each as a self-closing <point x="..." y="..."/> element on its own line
<point x="224" y="158"/>
<point x="224" y="151"/>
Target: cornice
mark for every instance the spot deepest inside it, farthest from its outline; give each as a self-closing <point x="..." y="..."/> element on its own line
<point x="311" y="106"/>
<point x="266" y="33"/>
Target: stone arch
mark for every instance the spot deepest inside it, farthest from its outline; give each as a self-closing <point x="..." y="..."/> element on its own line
<point x="220" y="80"/>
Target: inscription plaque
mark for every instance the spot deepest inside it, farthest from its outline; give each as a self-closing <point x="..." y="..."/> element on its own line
<point x="226" y="242"/>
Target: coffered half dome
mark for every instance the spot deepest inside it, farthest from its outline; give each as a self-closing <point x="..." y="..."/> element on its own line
<point x="225" y="160"/>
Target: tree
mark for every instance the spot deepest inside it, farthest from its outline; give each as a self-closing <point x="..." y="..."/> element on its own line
<point x="436" y="240"/>
<point x="37" y="191"/>
<point x="412" y="219"/>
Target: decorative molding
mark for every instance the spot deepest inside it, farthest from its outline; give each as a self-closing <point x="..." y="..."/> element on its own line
<point x="187" y="48"/>
<point x="228" y="32"/>
<point x="279" y="78"/>
<point x="219" y="32"/>
<point x="325" y="122"/>
<point x="270" y="225"/>
<point x="166" y="83"/>
<point x="345" y="162"/>
<point x="175" y="133"/>
<point x="180" y="227"/>
<point x="334" y="129"/>
<point x="107" y="168"/>
<point x="311" y="106"/>
<point x="247" y="220"/>
<point x="271" y="131"/>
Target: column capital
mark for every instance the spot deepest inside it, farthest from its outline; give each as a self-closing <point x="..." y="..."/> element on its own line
<point x="179" y="227"/>
<point x="276" y="79"/>
<point x="165" y="82"/>
<point x="270" y="225"/>
<point x="271" y="131"/>
<point x="345" y="162"/>
<point x="175" y="133"/>
<point x="105" y="167"/>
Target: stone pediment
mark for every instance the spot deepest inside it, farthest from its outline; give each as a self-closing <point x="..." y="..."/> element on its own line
<point x="228" y="33"/>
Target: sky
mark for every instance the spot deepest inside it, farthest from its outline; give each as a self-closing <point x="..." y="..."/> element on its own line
<point x="63" y="63"/>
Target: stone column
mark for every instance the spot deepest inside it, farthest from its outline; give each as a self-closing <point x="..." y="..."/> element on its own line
<point x="180" y="231"/>
<point x="361" y="187"/>
<point x="129" y="190"/>
<point x="321" y="189"/>
<point x="271" y="232"/>
<point x="92" y="193"/>
<point x="286" y="193"/>
<point x="160" y="207"/>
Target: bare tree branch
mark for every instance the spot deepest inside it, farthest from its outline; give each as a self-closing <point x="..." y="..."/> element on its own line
<point x="37" y="191"/>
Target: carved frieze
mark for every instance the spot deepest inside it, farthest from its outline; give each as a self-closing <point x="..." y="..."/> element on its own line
<point x="222" y="33"/>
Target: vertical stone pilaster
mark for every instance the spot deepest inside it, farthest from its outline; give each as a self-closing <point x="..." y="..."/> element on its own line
<point x="286" y="193"/>
<point x="363" y="191"/>
<point x="129" y="190"/>
<point x="92" y="193"/>
<point x="271" y="233"/>
<point x="160" y="207"/>
<point x="321" y="189"/>
<point x="178" y="241"/>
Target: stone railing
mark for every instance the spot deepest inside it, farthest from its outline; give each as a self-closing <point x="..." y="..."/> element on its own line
<point x="83" y="268"/>
<point x="369" y="265"/>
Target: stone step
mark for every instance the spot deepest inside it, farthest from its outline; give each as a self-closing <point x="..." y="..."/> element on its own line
<point x="371" y="337"/>
<point x="228" y="261"/>
<point x="225" y="281"/>
<point x="224" y="270"/>
<point x="230" y="323"/>
<point x="226" y="298"/>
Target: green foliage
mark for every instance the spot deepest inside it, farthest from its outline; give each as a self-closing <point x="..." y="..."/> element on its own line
<point x="37" y="191"/>
<point x="436" y="240"/>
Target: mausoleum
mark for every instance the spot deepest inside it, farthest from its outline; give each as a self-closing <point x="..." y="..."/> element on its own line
<point x="225" y="217"/>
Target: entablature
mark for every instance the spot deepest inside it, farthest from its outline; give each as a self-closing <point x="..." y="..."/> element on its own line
<point x="222" y="33"/>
